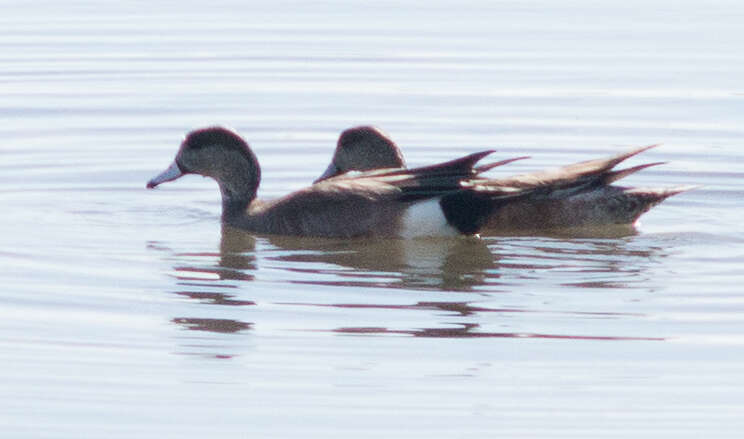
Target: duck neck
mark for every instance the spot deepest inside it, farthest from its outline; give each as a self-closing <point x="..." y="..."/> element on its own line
<point x="238" y="185"/>
<point x="234" y="205"/>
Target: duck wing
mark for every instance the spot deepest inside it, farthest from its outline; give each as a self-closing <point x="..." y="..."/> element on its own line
<point x="575" y="178"/>
<point x="375" y="203"/>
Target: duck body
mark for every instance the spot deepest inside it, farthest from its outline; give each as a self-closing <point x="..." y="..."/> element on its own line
<point x="606" y="206"/>
<point x="327" y="210"/>
<point x="580" y="195"/>
<point x="406" y="203"/>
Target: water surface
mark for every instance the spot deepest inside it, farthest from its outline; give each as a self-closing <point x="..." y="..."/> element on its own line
<point x="128" y="312"/>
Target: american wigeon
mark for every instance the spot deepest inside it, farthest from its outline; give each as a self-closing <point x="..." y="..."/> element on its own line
<point x="427" y="201"/>
<point x="577" y="195"/>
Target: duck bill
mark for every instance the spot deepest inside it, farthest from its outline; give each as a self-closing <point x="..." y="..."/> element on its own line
<point x="170" y="174"/>
<point x="331" y="171"/>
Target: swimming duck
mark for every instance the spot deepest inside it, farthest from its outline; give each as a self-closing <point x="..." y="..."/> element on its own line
<point x="427" y="201"/>
<point x="573" y="196"/>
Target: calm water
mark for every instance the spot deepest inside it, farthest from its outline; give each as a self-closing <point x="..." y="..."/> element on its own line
<point x="131" y="313"/>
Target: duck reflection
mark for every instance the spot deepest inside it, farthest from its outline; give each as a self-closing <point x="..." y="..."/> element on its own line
<point x="468" y="330"/>
<point x="455" y="264"/>
<point x="472" y="329"/>
<point x="237" y="254"/>
<point x="578" y="263"/>
<point x="480" y="266"/>
<point x="224" y="326"/>
<point x="197" y="271"/>
<point x="214" y="298"/>
<point x="213" y="278"/>
<point x="460" y="309"/>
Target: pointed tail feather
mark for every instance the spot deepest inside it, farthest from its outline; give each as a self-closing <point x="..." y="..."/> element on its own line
<point x="483" y="168"/>
<point x="597" y="166"/>
<point x="590" y="169"/>
<point x="436" y="180"/>
<point x="614" y="161"/>
<point x="631" y="203"/>
<point x="613" y="176"/>
<point x="462" y="166"/>
<point x="657" y="195"/>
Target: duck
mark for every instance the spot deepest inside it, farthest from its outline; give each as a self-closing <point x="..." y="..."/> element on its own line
<point x="575" y="196"/>
<point x="427" y="201"/>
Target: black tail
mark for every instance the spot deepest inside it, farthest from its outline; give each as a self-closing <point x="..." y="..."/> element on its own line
<point x="468" y="210"/>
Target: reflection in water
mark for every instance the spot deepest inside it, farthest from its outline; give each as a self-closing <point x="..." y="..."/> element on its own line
<point x="469" y="330"/>
<point x="456" y="308"/>
<point x="208" y="347"/>
<point x="609" y="231"/>
<point x="225" y="326"/>
<point x="579" y="263"/>
<point x="207" y="278"/>
<point x="455" y="264"/>
<point x="465" y="330"/>
<point x="215" y="298"/>
<point x="237" y="255"/>
<point x="482" y="266"/>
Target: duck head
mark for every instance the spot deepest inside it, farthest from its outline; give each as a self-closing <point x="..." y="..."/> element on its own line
<point x="363" y="148"/>
<point x="223" y="155"/>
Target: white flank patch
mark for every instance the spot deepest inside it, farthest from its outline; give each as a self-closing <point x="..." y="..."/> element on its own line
<point x="425" y="218"/>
